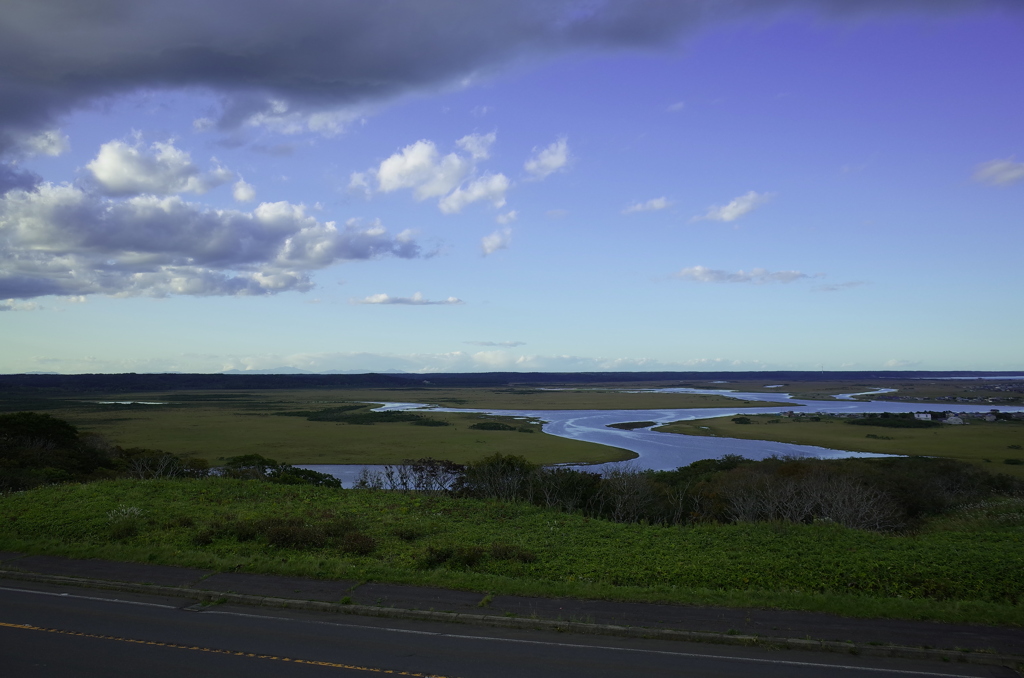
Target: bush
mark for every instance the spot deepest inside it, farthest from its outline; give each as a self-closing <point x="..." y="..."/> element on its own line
<point x="893" y="422"/>
<point x="492" y="426"/>
<point x="507" y="478"/>
<point x="258" y="467"/>
<point x="291" y="533"/>
<point x="428" y="421"/>
<point x="38" y="449"/>
<point x="414" y="475"/>
<point x="466" y="557"/>
<point x="124" y="521"/>
<point x="359" y="543"/>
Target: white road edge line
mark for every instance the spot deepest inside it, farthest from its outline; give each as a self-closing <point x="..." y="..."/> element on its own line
<point x="103" y="600"/>
<point x="595" y="647"/>
<point x="502" y="640"/>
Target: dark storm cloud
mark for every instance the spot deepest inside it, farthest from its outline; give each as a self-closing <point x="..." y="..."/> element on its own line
<point x="315" y="54"/>
<point x="12" y="177"/>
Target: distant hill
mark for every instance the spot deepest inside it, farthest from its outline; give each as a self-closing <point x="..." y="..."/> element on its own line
<point x="272" y="370"/>
<point x="252" y="380"/>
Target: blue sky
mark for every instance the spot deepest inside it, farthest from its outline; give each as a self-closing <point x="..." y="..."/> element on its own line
<point x="596" y="186"/>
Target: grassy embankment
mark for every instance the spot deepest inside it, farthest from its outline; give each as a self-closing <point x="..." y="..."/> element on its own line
<point x="968" y="567"/>
<point x="215" y="425"/>
<point x="984" y="443"/>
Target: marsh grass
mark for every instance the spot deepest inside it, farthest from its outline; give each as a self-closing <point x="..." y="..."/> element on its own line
<point x="966" y="567"/>
<point x="975" y="442"/>
<point x="345" y="434"/>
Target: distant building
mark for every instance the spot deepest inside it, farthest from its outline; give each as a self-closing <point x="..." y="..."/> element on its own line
<point x="923" y="416"/>
<point x="953" y="420"/>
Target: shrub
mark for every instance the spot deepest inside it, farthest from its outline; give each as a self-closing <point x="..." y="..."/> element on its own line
<point x="428" y="421"/>
<point x="503" y="551"/>
<point x="893" y="422"/>
<point x="359" y="543"/>
<point x="38" y="449"/>
<point x="124" y="521"/>
<point x="507" y="478"/>
<point x="492" y="426"/>
<point x="406" y="533"/>
<point x="414" y="475"/>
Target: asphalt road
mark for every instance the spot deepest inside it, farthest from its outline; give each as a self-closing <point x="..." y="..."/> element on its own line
<point x="48" y="630"/>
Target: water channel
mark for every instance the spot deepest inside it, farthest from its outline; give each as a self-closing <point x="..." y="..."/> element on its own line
<point x="667" y="451"/>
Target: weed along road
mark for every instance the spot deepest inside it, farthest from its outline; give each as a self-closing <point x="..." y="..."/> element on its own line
<point x="50" y="630"/>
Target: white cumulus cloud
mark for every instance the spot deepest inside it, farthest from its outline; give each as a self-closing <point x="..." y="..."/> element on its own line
<point x="451" y="178"/>
<point x="122" y="169"/>
<point x="499" y="240"/>
<point x="243" y="191"/>
<point x="736" y="208"/>
<point x="59" y="239"/>
<point x="491" y="187"/>
<point x="548" y="160"/>
<point x="419" y="166"/>
<point x="757" y="276"/>
<point x="507" y="217"/>
<point x="415" y="300"/>
<point x="652" y="205"/>
<point x="49" y="142"/>
<point x="477" y="145"/>
<point x="999" y="172"/>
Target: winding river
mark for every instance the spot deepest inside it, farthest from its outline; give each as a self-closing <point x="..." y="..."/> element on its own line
<point x="667" y="451"/>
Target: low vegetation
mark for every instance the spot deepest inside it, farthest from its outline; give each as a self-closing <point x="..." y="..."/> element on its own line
<point x="978" y="442"/>
<point x="632" y="425"/>
<point x="964" y="566"/>
<point x="906" y="537"/>
<point x="311" y="427"/>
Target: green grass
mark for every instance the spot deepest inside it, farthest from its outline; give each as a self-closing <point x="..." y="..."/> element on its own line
<point x="215" y="425"/>
<point x="537" y="399"/>
<point x="965" y="568"/>
<point x="975" y="442"/>
<point x="215" y="434"/>
<point x="935" y="391"/>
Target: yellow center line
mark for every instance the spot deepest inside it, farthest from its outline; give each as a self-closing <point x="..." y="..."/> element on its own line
<point x="235" y="653"/>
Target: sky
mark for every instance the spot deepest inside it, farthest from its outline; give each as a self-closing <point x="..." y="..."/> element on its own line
<point x="566" y="185"/>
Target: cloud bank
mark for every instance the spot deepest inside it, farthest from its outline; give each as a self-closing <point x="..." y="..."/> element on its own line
<point x="60" y="239"/>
